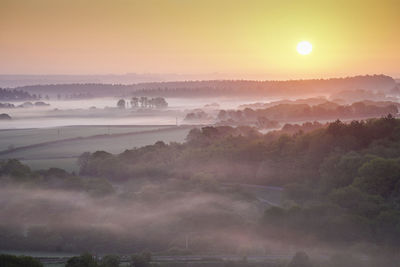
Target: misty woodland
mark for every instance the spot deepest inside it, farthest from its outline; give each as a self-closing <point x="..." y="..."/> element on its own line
<point x="170" y="133"/>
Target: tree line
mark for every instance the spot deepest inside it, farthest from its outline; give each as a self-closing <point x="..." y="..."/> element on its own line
<point x="17" y="95"/>
<point x="224" y="88"/>
<point x="143" y="102"/>
<point x="296" y="112"/>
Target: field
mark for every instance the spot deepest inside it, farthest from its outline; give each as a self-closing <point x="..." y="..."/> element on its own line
<point x="25" y="137"/>
<point x="61" y="146"/>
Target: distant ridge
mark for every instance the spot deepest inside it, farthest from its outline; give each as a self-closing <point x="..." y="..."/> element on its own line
<point x="16" y="80"/>
<point x="378" y="83"/>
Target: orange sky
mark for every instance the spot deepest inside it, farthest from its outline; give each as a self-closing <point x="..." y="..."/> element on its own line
<point x="245" y="37"/>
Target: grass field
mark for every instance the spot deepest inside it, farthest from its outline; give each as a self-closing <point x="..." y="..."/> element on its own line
<point x="44" y="148"/>
<point x="25" y="137"/>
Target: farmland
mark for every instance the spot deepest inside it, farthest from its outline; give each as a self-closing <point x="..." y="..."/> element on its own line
<point x="60" y="146"/>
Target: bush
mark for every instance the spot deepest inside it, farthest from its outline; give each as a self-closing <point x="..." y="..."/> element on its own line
<point x="300" y="259"/>
<point x="18" y="261"/>
<point x="85" y="260"/>
<point x="110" y="261"/>
<point x="140" y="260"/>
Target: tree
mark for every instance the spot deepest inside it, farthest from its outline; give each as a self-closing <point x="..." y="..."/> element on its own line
<point x="356" y="201"/>
<point x="14" y="168"/>
<point x="143" y="101"/>
<point x="85" y="260"/>
<point x="300" y="259"/>
<point x="134" y="102"/>
<point x="345" y="260"/>
<point x="340" y="170"/>
<point x="379" y="176"/>
<point x="83" y="160"/>
<point x="5" y="116"/>
<point x="19" y="261"/>
<point x="110" y="261"/>
<point x="159" y="102"/>
<point x="147" y="255"/>
<point x="121" y="104"/>
<point x="336" y="128"/>
<point x="140" y="260"/>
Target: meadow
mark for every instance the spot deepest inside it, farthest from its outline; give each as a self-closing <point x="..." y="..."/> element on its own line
<point x="25" y="137"/>
<point x="61" y="146"/>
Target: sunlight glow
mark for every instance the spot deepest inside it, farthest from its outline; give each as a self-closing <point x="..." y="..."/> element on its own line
<point x="304" y="48"/>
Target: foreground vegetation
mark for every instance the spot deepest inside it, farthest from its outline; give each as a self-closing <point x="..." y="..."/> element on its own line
<point x="341" y="183"/>
<point x="145" y="259"/>
<point x="346" y="175"/>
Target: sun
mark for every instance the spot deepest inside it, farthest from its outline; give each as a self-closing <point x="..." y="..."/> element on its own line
<point x="304" y="48"/>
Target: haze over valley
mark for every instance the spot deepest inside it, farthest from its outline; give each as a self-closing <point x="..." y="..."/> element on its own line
<point x="199" y="133"/>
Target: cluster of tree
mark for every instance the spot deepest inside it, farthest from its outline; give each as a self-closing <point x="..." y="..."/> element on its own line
<point x="27" y="104"/>
<point x="301" y="259"/>
<point x="246" y="117"/>
<point x="143" y="102"/>
<point x="13" y="171"/>
<point x="144" y="259"/>
<point x="218" y="88"/>
<point x="295" y="112"/>
<point x="312" y="101"/>
<point x="160" y="159"/>
<point x="350" y="173"/>
<point x="7" y="105"/>
<point x="88" y="260"/>
<point x="353" y="188"/>
<point x="74" y="96"/>
<point x="358" y="95"/>
<point x="224" y="88"/>
<point x="341" y="181"/>
<point x="197" y="116"/>
<point x="65" y="227"/>
<point x="301" y="128"/>
<point x="16" y="95"/>
<point x="35" y="104"/>
<point x="5" y="116"/>
<point x="18" y="261"/>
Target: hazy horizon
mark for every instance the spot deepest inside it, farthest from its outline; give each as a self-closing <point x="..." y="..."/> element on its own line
<point x="16" y="80"/>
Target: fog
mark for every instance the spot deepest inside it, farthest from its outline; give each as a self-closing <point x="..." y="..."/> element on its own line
<point x="142" y="215"/>
<point x="189" y="197"/>
<point x="78" y="112"/>
<point x="159" y="214"/>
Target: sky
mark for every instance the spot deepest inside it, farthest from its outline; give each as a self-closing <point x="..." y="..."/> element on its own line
<point x="246" y="38"/>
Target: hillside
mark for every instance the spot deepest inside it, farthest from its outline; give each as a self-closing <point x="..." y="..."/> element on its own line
<point x="334" y="184"/>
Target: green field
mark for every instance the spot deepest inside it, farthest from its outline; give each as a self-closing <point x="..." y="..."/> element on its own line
<point x="44" y="148"/>
<point x="24" y="137"/>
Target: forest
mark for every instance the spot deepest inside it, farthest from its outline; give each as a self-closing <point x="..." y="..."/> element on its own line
<point x="346" y="174"/>
<point x="265" y="118"/>
<point x="16" y="95"/>
<point x="223" y="88"/>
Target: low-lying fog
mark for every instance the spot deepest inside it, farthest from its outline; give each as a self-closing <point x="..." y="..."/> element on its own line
<point x="82" y="112"/>
<point x="157" y="214"/>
